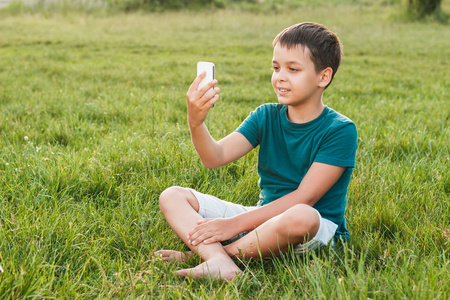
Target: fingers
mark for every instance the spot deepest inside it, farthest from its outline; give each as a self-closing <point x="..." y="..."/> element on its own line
<point x="211" y="240"/>
<point x="208" y="92"/>
<point x="208" y="86"/>
<point x="202" y="221"/>
<point x="201" y="233"/>
<point x="215" y="98"/>
<point x="202" y="99"/>
<point x="196" y="238"/>
<point x="195" y="84"/>
<point x="205" y="239"/>
<point x="199" y="102"/>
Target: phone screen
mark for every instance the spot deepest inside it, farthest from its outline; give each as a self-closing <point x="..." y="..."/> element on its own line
<point x="207" y="67"/>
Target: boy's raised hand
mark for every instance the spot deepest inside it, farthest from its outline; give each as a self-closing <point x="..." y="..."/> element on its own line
<point x="200" y="101"/>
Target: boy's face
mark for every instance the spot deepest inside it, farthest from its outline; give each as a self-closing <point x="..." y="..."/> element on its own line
<point x="294" y="77"/>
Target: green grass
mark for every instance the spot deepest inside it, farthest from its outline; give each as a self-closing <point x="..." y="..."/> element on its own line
<point x="93" y="128"/>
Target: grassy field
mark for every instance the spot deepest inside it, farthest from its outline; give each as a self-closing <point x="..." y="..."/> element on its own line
<point x="93" y="128"/>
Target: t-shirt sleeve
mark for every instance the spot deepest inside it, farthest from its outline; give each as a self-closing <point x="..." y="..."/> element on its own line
<point x="339" y="147"/>
<point x="250" y="127"/>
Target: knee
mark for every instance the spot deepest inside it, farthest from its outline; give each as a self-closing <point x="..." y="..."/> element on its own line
<point x="301" y="219"/>
<point x="172" y="196"/>
<point x="169" y="196"/>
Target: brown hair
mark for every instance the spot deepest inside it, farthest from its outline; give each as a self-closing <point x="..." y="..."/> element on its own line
<point x="324" y="45"/>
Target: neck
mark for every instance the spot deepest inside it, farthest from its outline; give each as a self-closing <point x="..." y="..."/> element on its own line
<point x="305" y="113"/>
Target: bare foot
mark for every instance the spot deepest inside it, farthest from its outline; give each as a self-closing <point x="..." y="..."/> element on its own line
<point x="173" y="256"/>
<point x="220" y="267"/>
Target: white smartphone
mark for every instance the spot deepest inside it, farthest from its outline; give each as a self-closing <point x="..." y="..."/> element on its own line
<point x="209" y="68"/>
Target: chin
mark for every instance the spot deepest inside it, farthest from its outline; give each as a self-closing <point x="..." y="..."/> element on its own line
<point x="283" y="101"/>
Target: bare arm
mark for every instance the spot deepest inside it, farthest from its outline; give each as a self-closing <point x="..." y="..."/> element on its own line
<point x="319" y="179"/>
<point x="212" y="153"/>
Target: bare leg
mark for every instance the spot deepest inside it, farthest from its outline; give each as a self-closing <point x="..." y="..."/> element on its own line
<point x="274" y="237"/>
<point x="180" y="208"/>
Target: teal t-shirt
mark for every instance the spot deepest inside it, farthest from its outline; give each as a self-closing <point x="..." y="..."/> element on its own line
<point x="287" y="151"/>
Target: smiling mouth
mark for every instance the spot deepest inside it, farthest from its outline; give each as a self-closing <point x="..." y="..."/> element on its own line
<point x="282" y="91"/>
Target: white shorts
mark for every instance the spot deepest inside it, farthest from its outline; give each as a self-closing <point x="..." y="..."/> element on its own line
<point x="213" y="207"/>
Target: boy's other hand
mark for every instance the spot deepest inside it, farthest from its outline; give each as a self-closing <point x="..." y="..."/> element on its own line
<point x="199" y="101"/>
<point x="210" y="231"/>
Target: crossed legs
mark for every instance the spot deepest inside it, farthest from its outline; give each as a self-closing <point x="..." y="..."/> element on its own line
<point x="180" y="208"/>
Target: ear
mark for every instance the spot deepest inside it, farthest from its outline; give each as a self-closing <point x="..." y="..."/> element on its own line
<point x="325" y="77"/>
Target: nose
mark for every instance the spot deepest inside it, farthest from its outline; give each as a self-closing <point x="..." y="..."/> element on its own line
<point x="279" y="76"/>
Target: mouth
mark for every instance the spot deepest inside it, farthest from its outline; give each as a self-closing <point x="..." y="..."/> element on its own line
<point x="282" y="91"/>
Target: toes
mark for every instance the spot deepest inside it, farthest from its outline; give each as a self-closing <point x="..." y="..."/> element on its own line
<point x="170" y="255"/>
<point x="187" y="273"/>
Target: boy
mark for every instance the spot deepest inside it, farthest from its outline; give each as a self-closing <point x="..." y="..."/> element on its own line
<point x="306" y="157"/>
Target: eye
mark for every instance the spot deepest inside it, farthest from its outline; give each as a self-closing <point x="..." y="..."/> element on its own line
<point x="275" y="68"/>
<point x="293" y="69"/>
